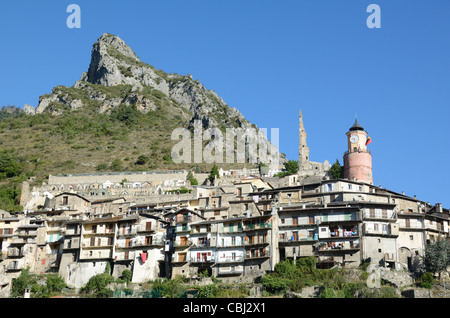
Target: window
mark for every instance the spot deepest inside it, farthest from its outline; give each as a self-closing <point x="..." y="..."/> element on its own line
<point x="310" y="219"/>
<point x="65" y="200"/>
<point x="372" y="212"/>
<point x="411" y="237"/>
<point x="349" y="186"/>
<point x="384" y="213"/>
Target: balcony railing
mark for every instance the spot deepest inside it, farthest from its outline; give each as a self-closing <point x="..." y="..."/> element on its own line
<point x="127" y="232"/>
<point x="257" y="254"/>
<point x="230" y="259"/>
<point x="296" y="239"/>
<point x="339" y="246"/>
<point x="360" y="150"/>
<point x="180" y="229"/>
<point x="256" y="226"/>
<point x="208" y="259"/>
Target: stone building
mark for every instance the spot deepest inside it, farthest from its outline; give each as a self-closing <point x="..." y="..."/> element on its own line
<point x="236" y="230"/>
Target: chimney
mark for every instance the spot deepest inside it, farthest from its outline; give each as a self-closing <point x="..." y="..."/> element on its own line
<point x="439" y="207"/>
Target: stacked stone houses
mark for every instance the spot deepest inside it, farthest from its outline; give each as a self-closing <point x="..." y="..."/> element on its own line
<point x="235" y="232"/>
<point x="236" y="229"/>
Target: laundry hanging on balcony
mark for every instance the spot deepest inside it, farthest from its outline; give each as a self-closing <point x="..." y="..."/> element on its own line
<point x="143" y="257"/>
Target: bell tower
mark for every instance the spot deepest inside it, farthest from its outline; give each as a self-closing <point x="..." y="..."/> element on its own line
<point x="358" y="159"/>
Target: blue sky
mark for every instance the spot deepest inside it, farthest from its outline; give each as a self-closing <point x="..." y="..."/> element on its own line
<point x="269" y="59"/>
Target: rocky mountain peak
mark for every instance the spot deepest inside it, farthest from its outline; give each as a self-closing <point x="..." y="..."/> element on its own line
<point x="111" y="62"/>
<point x="116" y="76"/>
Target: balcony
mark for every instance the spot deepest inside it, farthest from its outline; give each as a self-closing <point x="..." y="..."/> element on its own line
<point x="146" y="228"/>
<point x="182" y="229"/>
<point x="124" y="256"/>
<point x="95" y="233"/>
<point x="257" y="254"/>
<point x="72" y="231"/>
<point x="201" y="245"/>
<point x="257" y="241"/>
<point x="294" y="239"/>
<point x="96" y="254"/>
<point x="14" y="252"/>
<point x="14" y="266"/>
<point x="126" y="232"/>
<point x="183" y="219"/>
<point x="232" y="245"/>
<point x="182" y="244"/>
<point x="339" y="246"/>
<point x="358" y="151"/>
<point x="232" y="229"/>
<point x="381" y="216"/>
<point x="203" y="259"/>
<point x="27" y="233"/>
<point x="230" y="259"/>
<point x="257" y="226"/>
<point x="383" y="230"/>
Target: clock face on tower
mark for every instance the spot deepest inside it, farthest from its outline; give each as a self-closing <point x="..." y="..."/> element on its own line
<point x="354" y="138"/>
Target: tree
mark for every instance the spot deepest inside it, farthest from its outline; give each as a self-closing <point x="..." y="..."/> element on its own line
<point x="129" y="115"/>
<point x="25" y="280"/>
<point x="336" y="170"/>
<point x="116" y="165"/>
<point x="142" y="160"/>
<point x="97" y="284"/>
<point x="126" y="275"/>
<point x="9" y="165"/>
<point x="191" y="178"/>
<point x="214" y="173"/>
<point x="437" y="256"/>
<point x="291" y="167"/>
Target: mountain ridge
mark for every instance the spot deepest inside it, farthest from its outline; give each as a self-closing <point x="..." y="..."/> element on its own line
<point x="121" y="109"/>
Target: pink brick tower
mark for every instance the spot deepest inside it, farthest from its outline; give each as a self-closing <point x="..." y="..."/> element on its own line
<point x="358" y="160"/>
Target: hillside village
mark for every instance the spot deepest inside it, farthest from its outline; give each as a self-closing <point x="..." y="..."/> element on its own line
<point x="236" y="228"/>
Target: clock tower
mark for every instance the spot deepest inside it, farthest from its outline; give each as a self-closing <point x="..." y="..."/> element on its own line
<point x="358" y="160"/>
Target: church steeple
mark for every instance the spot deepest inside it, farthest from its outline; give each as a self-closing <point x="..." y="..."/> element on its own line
<point x="303" y="149"/>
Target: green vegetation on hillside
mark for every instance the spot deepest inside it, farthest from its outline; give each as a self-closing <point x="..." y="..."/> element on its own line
<point x="332" y="283"/>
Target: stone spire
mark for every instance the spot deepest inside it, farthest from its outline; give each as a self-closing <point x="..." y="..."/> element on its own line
<point x="303" y="149"/>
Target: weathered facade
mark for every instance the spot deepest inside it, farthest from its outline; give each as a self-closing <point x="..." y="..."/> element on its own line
<point x="236" y="229"/>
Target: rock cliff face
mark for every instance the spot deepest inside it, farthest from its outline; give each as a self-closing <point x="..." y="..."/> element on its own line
<point x="116" y="76"/>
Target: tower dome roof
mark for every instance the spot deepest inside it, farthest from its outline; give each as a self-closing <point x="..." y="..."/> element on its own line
<point x="356" y="126"/>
